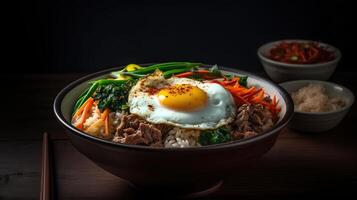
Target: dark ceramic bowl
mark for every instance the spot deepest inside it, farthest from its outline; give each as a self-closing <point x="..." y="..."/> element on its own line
<point x="172" y="169"/>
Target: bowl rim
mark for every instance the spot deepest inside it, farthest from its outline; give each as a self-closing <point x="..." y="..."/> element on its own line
<point x="298" y="66"/>
<point x="72" y="130"/>
<point x="332" y="84"/>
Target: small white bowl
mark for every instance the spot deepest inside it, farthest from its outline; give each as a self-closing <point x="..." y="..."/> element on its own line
<point x="319" y="121"/>
<point x="280" y="71"/>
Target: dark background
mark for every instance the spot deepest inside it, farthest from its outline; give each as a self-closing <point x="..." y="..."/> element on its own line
<point x="48" y="44"/>
<point x="85" y="36"/>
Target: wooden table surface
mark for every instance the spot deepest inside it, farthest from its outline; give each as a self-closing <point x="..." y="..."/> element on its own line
<point x="323" y="164"/>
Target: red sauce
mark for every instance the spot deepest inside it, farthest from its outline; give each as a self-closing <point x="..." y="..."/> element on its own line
<point x="301" y="53"/>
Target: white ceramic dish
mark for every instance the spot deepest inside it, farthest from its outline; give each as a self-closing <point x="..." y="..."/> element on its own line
<point x="322" y="121"/>
<point x="280" y="71"/>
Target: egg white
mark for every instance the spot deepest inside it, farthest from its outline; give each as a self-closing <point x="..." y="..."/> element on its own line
<point x="219" y="110"/>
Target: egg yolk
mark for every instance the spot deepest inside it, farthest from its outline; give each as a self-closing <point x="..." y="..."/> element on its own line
<point x="183" y="97"/>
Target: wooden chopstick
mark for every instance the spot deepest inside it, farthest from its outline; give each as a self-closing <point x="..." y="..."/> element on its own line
<point x="46" y="173"/>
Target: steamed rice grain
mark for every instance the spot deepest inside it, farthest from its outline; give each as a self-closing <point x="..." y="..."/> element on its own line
<point x="314" y="98"/>
<point x="179" y="138"/>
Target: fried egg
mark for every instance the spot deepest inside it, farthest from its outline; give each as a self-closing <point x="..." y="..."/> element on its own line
<point x="181" y="102"/>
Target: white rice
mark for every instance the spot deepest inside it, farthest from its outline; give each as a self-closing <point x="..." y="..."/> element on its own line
<point x="314" y="98"/>
<point x="115" y="117"/>
<point x="93" y="117"/>
<point x="180" y="138"/>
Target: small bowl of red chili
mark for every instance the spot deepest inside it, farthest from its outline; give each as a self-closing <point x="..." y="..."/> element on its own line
<point x="286" y="60"/>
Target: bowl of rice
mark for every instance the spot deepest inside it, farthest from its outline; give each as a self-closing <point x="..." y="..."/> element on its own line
<point x="318" y="105"/>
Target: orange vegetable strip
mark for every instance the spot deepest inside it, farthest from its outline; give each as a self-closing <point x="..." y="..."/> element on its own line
<point x="243" y="95"/>
<point x="264" y="103"/>
<point x="239" y="98"/>
<point x="234" y="89"/>
<point x="80" y="110"/>
<point x="105" y="114"/>
<point x="215" y="81"/>
<point x="106" y="125"/>
<point x="207" y="77"/>
<point x="248" y="96"/>
<point x="186" y="74"/>
<point x="259" y="96"/>
<point x="85" y="113"/>
<point x="247" y="91"/>
<point x="233" y="81"/>
<point x="274" y="101"/>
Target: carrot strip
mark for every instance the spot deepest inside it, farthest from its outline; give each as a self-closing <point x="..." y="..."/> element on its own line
<point x="207" y="77"/>
<point x="235" y="89"/>
<point x="264" y="103"/>
<point x="106" y="126"/>
<point x="105" y="114"/>
<point x="85" y="113"/>
<point x="243" y="95"/>
<point x="214" y="81"/>
<point x="202" y="71"/>
<point x="233" y="81"/>
<point x="186" y="74"/>
<point x="274" y="101"/>
<point x="247" y="91"/>
<point x="239" y="99"/>
<point x="80" y="110"/>
<point x="258" y="97"/>
<point x="249" y="96"/>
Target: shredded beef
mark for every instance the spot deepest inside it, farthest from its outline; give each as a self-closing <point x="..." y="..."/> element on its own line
<point x="164" y="128"/>
<point x="251" y="120"/>
<point x="135" y="130"/>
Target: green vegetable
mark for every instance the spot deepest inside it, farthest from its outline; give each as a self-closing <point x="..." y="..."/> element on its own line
<point x="80" y="98"/>
<point x="95" y="84"/>
<point x="169" y="73"/>
<point x="131" y="73"/>
<point x="214" y="71"/>
<point x="228" y="76"/>
<point x="162" y="67"/>
<point x="87" y="94"/>
<point x="167" y="66"/>
<point x="113" y="95"/>
<point x="243" y="80"/>
<point x="215" y="136"/>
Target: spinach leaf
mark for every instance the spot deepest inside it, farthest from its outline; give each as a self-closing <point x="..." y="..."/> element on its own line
<point x="113" y="96"/>
<point x="215" y="136"/>
<point x="243" y="80"/>
<point x="215" y="71"/>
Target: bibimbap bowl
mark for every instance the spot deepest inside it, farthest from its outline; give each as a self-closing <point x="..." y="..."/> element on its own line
<point x="192" y="171"/>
